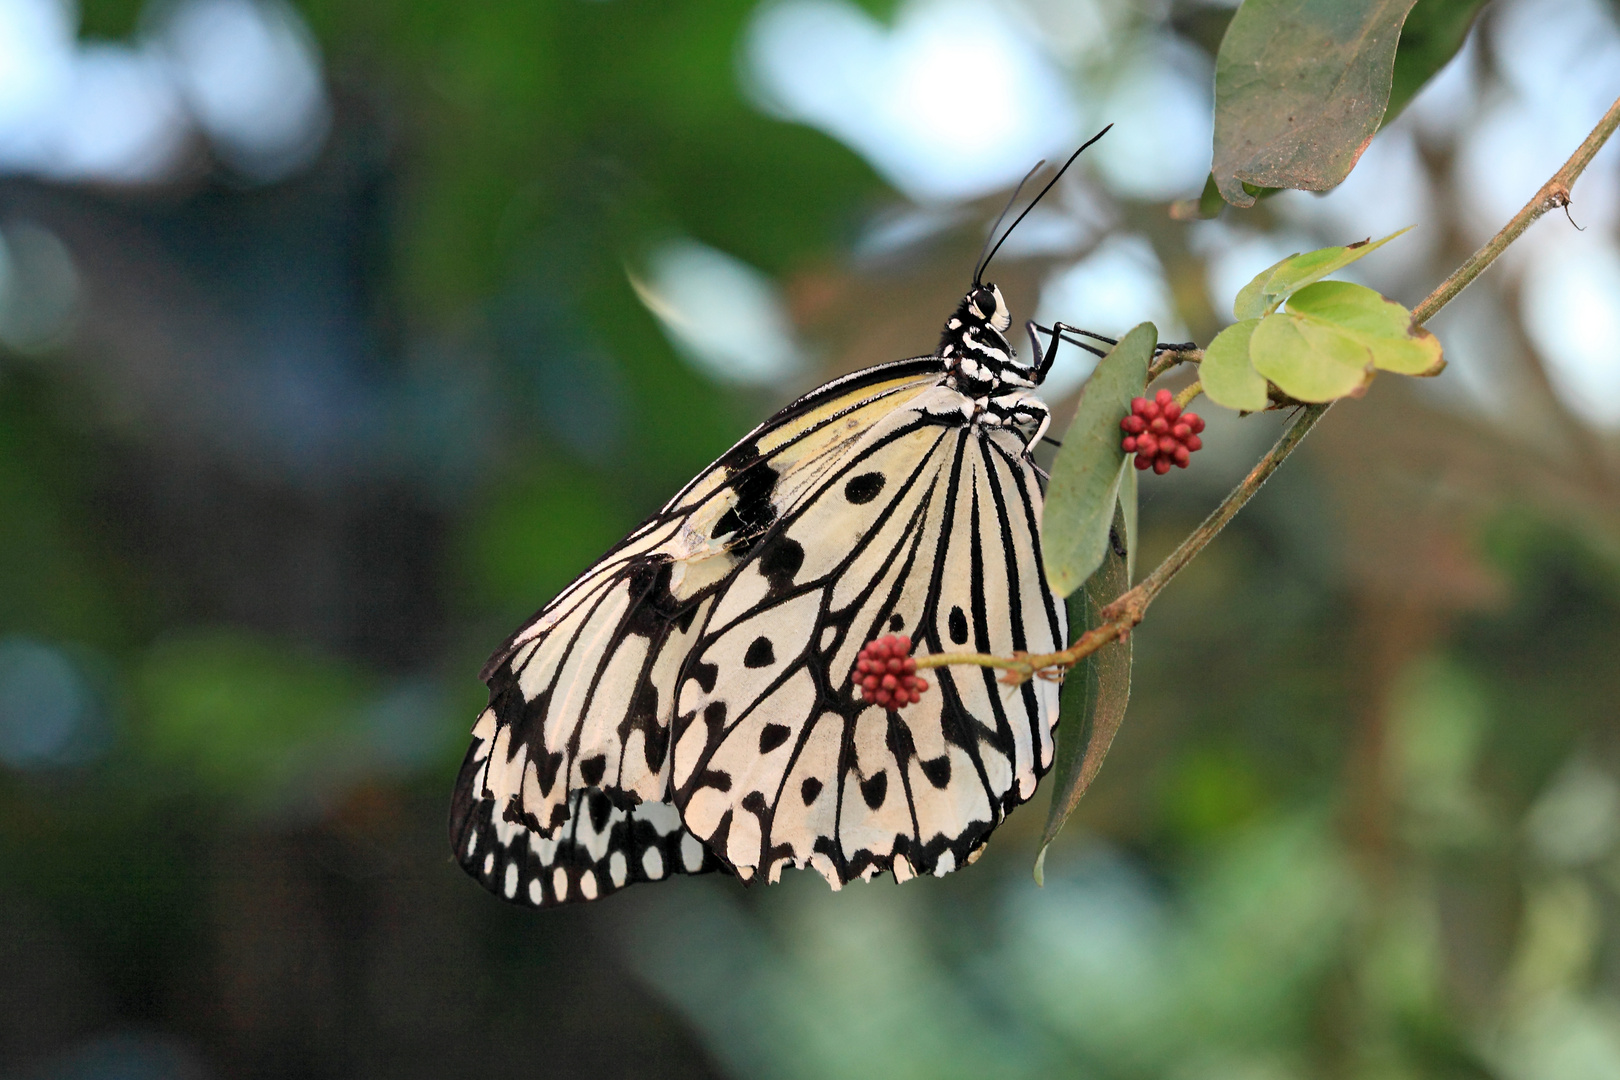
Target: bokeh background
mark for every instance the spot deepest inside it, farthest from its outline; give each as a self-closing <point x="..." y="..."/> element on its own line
<point x="336" y="336"/>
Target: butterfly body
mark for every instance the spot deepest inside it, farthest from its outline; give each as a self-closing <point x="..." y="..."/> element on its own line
<point x="687" y="703"/>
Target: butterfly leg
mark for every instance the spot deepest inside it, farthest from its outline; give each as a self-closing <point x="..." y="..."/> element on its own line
<point x="1049" y="354"/>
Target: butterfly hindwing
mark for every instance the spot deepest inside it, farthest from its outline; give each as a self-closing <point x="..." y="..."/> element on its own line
<point x="926" y="526"/>
<point x="603" y="847"/>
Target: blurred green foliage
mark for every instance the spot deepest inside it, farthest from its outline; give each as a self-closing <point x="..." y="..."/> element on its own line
<point x="1361" y="821"/>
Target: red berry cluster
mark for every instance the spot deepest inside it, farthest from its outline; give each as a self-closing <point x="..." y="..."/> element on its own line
<point x="886" y="673"/>
<point x="1160" y="434"/>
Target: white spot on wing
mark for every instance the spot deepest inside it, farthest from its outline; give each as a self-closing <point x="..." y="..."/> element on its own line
<point x="690" y="854"/>
<point x="489" y="863"/>
<point x="618" y="869"/>
<point x="652" y="861"/>
<point x="587" y="884"/>
<point x="535" y="895"/>
<point x="511" y="880"/>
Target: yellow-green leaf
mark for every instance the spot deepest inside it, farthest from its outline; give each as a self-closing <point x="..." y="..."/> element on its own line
<point x="1227" y="375"/>
<point x="1382" y="325"/>
<point x="1276" y="283"/>
<point x="1309" y="361"/>
<point x="1251" y="299"/>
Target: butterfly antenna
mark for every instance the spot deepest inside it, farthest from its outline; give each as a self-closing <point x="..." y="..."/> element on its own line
<point x="985" y="265"/>
<point x="978" y="267"/>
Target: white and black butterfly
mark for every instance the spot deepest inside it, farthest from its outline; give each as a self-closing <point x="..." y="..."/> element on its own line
<point x="686" y="705"/>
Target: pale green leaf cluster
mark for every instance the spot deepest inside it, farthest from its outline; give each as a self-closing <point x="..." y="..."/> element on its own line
<point x="1328" y="343"/>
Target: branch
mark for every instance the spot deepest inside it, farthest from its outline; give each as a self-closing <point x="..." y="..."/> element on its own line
<point x="1130" y="608"/>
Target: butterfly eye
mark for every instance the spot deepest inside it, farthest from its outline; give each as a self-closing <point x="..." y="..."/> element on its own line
<point x="985" y="301"/>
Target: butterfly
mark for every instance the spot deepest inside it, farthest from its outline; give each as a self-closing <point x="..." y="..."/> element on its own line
<point x="687" y="704"/>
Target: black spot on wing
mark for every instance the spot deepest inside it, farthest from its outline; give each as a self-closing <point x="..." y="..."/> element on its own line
<point x="652" y="606"/>
<point x="864" y="488"/>
<point x="599" y="807"/>
<point x="958" y="626"/>
<point x="705" y="675"/>
<point x="781" y="559"/>
<point x="546" y="767"/>
<point x="938" y="771"/>
<point x="760" y="654"/>
<point x="752" y="481"/>
<point x="875" y="789"/>
<point x="771" y="736"/>
<point x="591" y="770"/>
<point x="897" y="623"/>
<point x="809" y="790"/>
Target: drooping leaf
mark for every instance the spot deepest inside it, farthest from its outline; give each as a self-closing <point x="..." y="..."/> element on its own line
<point x="1229" y="378"/>
<point x="1273" y="285"/>
<point x="1433" y="33"/>
<point x="1096" y="691"/>
<point x="1301" y="87"/>
<point x="1086" y="473"/>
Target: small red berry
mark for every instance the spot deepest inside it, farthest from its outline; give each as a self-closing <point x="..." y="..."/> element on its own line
<point x="885" y="673"/>
<point x="1160" y="433"/>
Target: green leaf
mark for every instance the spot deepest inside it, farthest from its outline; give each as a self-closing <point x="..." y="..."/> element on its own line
<point x="1276" y="283"/>
<point x="1086" y="473"/>
<point x="1333" y="336"/>
<point x="1128" y="504"/>
<point x="1092" y="703"/>
<point x="1433" y="33"/>
<point x="1300" y="89"/>
<point x="1380" y="324"/>
<point x="1252" y="302"/>
<point x="1309" y="361"/>
<point x="1227" y="375"/>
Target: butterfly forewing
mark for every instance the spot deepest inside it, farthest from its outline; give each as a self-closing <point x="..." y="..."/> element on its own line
<point x="582" y="696"/>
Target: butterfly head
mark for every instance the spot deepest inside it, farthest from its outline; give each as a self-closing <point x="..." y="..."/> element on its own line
<point x="980" y="360"/>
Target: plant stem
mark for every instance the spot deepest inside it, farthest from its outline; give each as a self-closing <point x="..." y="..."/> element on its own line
<point x="1167" y="360"/>
<point x="1130" y="607"/>
<point x="1553" y="195"/>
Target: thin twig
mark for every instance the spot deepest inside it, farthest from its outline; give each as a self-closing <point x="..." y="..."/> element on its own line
<point x="1130" y="607"/>
<point x="1553" y="195"/>
<point x="1170" y="358"/>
